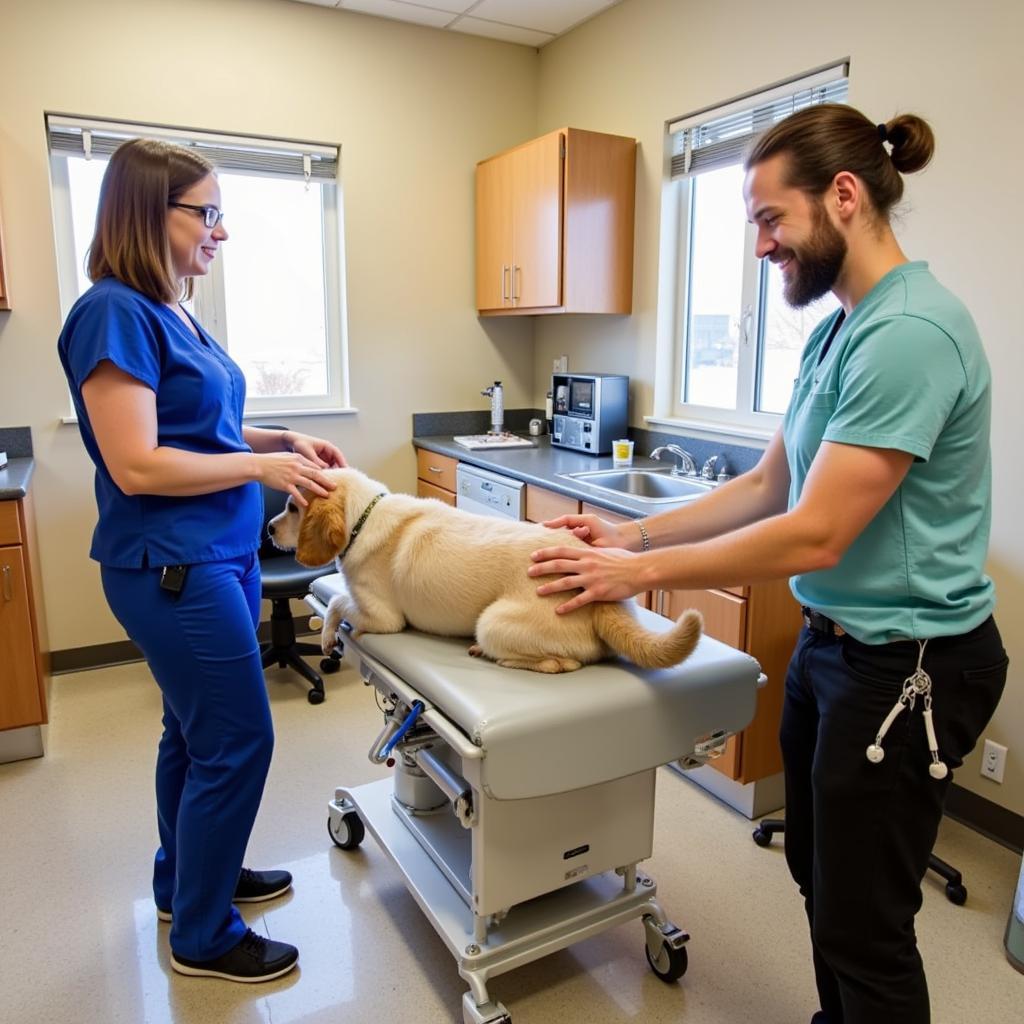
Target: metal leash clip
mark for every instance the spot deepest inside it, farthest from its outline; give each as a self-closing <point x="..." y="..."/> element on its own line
<point x="919" y="684"/>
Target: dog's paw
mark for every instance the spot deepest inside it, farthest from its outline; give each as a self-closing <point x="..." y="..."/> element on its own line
<point x="475" y="651"/>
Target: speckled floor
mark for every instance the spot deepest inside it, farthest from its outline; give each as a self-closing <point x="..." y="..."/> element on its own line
<point x="80" y="942"/>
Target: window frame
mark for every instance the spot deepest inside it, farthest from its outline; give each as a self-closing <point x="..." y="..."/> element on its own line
<point x="209" y="300"/>
<point x="671" y="368"/>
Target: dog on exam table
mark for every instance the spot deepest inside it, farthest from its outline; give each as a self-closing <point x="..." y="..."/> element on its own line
<point x="420" y="562"/>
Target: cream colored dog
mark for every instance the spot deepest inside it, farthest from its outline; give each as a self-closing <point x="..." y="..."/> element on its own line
<point x="419" y="562"/>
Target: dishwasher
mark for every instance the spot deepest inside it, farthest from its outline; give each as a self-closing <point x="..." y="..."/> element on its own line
<point x="489" y="494"/>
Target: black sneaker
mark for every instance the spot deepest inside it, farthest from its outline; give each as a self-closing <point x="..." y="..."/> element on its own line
<point x="257" y="886"/>
<point x="253" y="887"/>
<point x="253" y="959"/>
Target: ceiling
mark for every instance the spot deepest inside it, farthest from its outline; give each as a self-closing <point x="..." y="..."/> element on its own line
<point x="529" y="22"/>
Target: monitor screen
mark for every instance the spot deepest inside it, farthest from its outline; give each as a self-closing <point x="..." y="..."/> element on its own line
<point x="581" y="397"/>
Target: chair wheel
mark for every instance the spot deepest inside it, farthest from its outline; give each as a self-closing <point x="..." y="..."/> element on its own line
<point x="671" y="963"/>
<point x="956" y="894"/>
<point x="315" y="696"/>
<point x="761" y="837"/>
<point x="348" y="831"/>
<point x="329" y="665"/>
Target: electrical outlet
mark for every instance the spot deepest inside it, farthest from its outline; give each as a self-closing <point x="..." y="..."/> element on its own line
<point x="560" y="364"/>
<point x="993" y="761"/>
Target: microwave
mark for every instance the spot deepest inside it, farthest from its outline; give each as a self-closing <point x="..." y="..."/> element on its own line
<point x="589" y="411"/>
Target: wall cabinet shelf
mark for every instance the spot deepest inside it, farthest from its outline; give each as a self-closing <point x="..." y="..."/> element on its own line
<point x="554" y="226"/>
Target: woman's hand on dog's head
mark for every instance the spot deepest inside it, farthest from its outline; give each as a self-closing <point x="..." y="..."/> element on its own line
<point x="293" y="473"/>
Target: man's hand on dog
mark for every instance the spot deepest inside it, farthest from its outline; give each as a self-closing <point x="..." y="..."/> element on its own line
<point x="605" y="574"/>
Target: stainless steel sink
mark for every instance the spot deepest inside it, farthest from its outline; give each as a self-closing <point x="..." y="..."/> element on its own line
<point x="646" y="485"/>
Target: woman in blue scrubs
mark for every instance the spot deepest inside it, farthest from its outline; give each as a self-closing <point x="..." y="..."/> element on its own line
<point x="178" y="488"/>
<point x="875" y="498"/>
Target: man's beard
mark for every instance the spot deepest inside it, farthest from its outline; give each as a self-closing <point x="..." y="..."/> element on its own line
<point x="816" y="263"/>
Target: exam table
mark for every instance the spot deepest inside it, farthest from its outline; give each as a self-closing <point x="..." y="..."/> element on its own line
<point x="521" y="803"/>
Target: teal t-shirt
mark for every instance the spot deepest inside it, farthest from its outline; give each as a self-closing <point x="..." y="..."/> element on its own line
<point x="905" y="370"/>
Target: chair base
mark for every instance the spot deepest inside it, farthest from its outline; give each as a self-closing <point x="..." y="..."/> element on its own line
<point x="956" y="891"/>
<point x="285" y="651"/>
<point x="290" y="657"/>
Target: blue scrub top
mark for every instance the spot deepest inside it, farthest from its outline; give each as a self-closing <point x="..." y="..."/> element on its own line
<point x="200" y="394"/>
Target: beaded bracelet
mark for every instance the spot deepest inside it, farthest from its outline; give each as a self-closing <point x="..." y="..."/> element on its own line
<point x="645" y="540"/>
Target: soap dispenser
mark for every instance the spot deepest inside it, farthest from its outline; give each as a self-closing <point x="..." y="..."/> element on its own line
<point x="497" y="408"/>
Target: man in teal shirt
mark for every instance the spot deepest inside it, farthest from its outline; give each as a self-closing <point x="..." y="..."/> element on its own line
<point x="875" y="499"/>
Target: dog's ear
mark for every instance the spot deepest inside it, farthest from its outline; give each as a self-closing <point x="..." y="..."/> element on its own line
<point x="322" y="531"/>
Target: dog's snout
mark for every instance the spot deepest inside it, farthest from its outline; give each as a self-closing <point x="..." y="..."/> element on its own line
<point x="270" y="529"/>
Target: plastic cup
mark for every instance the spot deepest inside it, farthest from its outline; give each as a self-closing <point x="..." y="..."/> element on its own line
<point x="622" y="452"/>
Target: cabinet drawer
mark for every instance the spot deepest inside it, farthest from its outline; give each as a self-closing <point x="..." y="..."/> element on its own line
<point x="10" y="529"/>
<point x="425" y="489"/>
<point x="20" y="701"/>
<point x="725" y="615"/>
<point x="438" y="470"/>
<point x="542" y="504"/>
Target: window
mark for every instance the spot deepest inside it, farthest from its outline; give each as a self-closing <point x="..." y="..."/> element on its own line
<point x="729" y="345"/>
<point x="274" y="297"/>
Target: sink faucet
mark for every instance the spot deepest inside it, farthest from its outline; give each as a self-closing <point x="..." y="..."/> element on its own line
<point x="685" y="467"/>
<point x="716" y="468"/>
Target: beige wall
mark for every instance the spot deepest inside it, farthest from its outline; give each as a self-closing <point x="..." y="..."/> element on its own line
<point x="644" y="61"/>
<point x="413" y="109"/>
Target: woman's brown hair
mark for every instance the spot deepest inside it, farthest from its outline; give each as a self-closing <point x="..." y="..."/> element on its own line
<point x="130" y="241"/>
<point x="821" y="141"/>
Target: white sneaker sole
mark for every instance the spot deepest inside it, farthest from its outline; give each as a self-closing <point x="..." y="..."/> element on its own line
<point x="203" y="972"/>
<point x="165" y="915"/>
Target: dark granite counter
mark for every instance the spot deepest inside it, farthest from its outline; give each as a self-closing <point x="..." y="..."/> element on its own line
<point x="543" y="466"/>
<point x="14" y="478"/>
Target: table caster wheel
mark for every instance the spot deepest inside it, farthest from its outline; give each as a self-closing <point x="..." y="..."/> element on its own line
<point x="346" y="831"/>
<point x="671" y="963"/>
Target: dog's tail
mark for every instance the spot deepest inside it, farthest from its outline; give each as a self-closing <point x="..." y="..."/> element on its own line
<point x="616" y="625"/>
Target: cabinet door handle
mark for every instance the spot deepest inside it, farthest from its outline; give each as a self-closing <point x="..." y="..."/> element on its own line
<point x="515" y="294"/>
<point x="504" y="290"/>
<point x="435" y="469"/>
<point x="8" y="591"/>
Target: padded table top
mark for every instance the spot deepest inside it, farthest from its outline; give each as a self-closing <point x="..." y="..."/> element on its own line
<point x="542" y="734"/>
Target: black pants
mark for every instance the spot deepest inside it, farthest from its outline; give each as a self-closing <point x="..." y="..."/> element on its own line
<point x="858" y="835"/>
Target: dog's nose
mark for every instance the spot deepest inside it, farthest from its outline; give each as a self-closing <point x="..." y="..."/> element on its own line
<point x="270" y="529"/>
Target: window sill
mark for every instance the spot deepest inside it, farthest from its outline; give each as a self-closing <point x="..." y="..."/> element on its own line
<point x="714" y="431"/>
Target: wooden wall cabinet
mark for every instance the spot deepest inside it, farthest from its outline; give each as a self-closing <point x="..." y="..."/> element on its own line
<point x="764" y="620"/>
<point x="554" y="226"/>
<point x="23" y="663"/>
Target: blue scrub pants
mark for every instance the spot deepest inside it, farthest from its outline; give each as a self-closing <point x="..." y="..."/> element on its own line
<point x="858" y="835"/>
<point x="218" y="736"/>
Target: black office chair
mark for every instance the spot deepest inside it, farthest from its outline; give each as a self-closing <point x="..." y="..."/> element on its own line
<point x="956" y="891"/>
<point x="284" y="580"/>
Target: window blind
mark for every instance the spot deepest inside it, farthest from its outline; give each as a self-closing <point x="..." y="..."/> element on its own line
<point x="719" y="136"/>
<point x="280" y="158"/>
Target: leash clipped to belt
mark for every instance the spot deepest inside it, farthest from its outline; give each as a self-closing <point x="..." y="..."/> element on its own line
<point x="918" y="684"/>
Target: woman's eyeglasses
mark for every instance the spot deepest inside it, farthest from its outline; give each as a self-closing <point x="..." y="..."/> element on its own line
<point x="211" y="215"/>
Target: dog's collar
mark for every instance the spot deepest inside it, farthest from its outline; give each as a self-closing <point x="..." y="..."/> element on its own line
<point x="359" y="525"/>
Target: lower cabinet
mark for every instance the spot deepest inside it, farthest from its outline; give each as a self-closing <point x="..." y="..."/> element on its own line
<point x="23" y="664"/>
<point x="765" y="623"/>
<point x="542" y="504"/>
<point x="435" y="476"/>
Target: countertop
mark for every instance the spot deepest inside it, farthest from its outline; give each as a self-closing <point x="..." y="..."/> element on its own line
<point x="543" y="464"/>
<point x="14" y="478"/>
